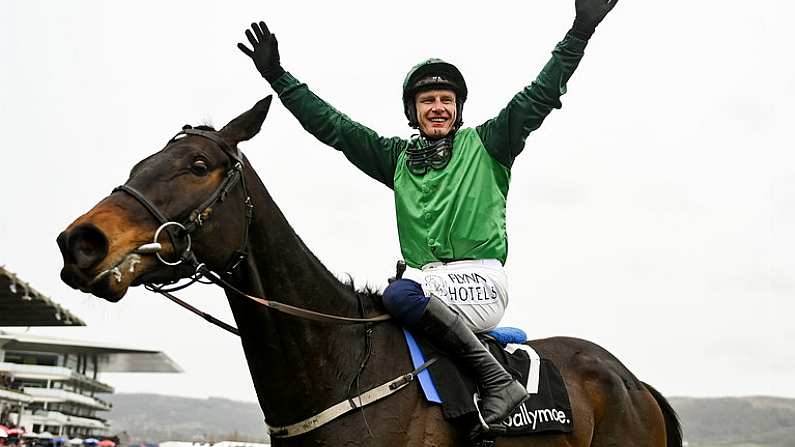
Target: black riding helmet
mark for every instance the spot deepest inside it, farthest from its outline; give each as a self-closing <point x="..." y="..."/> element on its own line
<point x="433" y="74"/>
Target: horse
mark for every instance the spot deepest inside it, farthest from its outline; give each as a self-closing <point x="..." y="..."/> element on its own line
<point x="200" y="198"/>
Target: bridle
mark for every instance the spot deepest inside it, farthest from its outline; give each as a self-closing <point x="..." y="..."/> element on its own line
<point x="182" y="230"/>
<point x="189" y="267"/>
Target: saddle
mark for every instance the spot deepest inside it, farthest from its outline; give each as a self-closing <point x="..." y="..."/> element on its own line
<point x="548" y="408"/>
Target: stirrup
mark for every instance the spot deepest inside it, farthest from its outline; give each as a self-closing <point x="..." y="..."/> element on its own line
<point x="483" y="432"/>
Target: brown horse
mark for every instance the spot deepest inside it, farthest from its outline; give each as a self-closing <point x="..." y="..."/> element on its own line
<point x="300" y="366"/>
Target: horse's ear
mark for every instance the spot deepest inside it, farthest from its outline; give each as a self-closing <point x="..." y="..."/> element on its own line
<point x="248" y="124"/>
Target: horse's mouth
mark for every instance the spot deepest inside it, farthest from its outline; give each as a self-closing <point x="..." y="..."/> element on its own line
<point x="112" y="282"/>
<point x="116" y="272"/>
<point x="99" y="286"/>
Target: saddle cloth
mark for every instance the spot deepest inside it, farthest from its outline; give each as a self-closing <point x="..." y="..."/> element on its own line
<point x="546" y="410"/>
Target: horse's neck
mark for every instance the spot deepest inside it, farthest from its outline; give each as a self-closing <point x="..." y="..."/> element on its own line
<point x="287" y="270"/>
<point x="298" y="367"/>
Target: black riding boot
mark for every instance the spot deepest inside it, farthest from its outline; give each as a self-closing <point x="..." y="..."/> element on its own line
<point x="499" y="392"/>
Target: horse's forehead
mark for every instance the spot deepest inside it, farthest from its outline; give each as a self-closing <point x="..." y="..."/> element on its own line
<point x="176" y="149"/>
<point x="186" y="144"/>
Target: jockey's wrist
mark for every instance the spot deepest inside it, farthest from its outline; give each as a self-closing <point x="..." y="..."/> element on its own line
<point x="273" y="73"/>
<point x="582" y="29"/>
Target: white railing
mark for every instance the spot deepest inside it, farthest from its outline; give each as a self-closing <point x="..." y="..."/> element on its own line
<point x="60" y="373"/>
<point x="56" y="395"/>
<point x="15" y="396"/>
<point x="57" y="418"/>
<point x="36" y="372"/>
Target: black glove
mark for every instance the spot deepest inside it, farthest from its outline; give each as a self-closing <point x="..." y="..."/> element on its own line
<point x="265" y="53"/>
<point x="589" y="14"/>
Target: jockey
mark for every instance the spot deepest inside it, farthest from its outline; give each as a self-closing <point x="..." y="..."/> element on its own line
<point x="450" y="186"/>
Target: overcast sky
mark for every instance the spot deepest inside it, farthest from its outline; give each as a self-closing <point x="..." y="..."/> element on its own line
<point x="653" y="214"/>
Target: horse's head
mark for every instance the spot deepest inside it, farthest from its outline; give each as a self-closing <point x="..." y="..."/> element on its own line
<point x="193" y="181"/>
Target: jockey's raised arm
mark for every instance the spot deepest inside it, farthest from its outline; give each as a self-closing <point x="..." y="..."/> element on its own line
<point x="374" y="155"/>
<point x="504" y="135"/>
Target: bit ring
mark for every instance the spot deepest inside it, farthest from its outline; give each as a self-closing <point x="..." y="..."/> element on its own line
<point x="157" y="236"/>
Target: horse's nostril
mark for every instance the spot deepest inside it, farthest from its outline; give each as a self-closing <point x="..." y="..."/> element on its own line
<point x="87" y="245"/>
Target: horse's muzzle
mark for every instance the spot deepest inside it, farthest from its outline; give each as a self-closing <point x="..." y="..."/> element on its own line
<point x="84" y="246"/>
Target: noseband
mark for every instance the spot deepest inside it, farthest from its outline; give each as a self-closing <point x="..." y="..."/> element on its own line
<point x="178" y="231"/>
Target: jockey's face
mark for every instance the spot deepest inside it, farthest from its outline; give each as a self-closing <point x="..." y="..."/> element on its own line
<point x="436" y="112"/>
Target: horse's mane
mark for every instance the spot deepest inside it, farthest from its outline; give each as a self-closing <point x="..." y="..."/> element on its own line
<point x="366" y="294"/>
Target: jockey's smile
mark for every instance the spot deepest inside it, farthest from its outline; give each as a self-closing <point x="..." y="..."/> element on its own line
<point x="436" y="112"/>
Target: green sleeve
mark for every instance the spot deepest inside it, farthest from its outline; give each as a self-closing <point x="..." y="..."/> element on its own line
<point x="504" y="136"/>
<point x="376" y="156"/>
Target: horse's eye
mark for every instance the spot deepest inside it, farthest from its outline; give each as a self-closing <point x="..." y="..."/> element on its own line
<point x="199" y="167"/>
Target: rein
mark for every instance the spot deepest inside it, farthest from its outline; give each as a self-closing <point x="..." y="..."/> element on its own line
<point x="289" y="309"/>
<point x="203" y="272"/>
